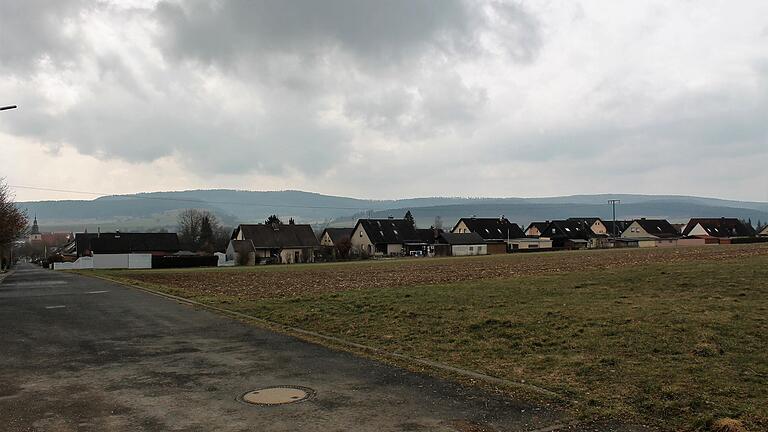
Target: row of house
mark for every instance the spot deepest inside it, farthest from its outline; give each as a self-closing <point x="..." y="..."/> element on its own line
<point x="296" y="243"/>
<point x="252" y="244"/>
<point x="578" y="233"/>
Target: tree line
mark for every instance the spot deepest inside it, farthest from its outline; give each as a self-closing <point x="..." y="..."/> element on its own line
<point x="13" y="224"/>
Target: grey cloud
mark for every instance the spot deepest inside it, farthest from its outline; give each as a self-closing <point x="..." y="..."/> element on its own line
<point x="389" y="31"/>
<point x="33" y="29"/>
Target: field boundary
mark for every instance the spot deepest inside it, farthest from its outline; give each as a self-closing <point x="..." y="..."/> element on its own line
<point x="292" y="331"/>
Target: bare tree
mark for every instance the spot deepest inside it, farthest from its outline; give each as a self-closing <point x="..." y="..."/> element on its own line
<point x="343" y="246"/>
<point x="13" y="223"/>
<point x="200" y="230"/>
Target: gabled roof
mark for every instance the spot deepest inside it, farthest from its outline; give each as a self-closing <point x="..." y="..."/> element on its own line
<point x="570" y="229"/>
<point x="720" y="227"/>
<point x="113" y="243"/>
<point x="764" y="232"/>
<point x="658" y="228"/>
<point x="492" y="228"/>
<point x="541" y="226"/>
<point x="242" y="246"/>
<point x="389" y="231"/>
<point x="279" y="236"/>
<point x="337" y="234"/>
<point x="461" y="238"/>
<point x="621" y="225"/>
<point x="587" y="220"/>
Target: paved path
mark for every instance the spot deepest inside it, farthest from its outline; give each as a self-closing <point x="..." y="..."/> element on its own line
<point x="84" y="354"/>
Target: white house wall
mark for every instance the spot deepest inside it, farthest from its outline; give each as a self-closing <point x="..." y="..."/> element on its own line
<point x="360" y="240"/>
<point x="464" y="250"/>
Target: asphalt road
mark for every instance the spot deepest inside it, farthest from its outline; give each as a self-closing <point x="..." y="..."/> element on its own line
<point x="78" y="353"/>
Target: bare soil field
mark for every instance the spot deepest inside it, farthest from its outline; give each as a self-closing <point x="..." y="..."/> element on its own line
<point x="254" y="283"/>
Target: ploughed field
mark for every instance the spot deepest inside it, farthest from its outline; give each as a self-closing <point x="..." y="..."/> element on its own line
<point x="251" y="283"/>
<point x="672" y="338"/>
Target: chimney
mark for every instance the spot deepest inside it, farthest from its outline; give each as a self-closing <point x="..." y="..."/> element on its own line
<point x="98" y="232"/>
<point x="117" y="233"/>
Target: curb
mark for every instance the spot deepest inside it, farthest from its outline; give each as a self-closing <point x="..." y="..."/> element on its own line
<point x="271" y="325"/>
<point x="5" y="275"/>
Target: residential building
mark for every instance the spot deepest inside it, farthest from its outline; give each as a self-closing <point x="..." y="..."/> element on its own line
<point x="331" y="236"/>
<point x="568" y="234"/>
<point x="241" y="252"/>
<point x="460" y="244"/>
<point x="652" y="233"/>
<point x="279" y="243"/>
<point x="383" y="236"/>
<point x="615" y="231"/>
<point x="717" y="227"/>
<point x="536" y="228"/>
<point x="764" y="232"/>
<point x="595" y="224"/>
<point x="529" y="243"/>
<point x="156" y="244"/>
<point x="492" y="230"/>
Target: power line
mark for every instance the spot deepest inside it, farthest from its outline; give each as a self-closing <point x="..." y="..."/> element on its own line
<point x="197" y="201"/>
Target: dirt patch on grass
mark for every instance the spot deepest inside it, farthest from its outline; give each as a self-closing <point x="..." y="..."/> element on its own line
<point x="286" y="282"/>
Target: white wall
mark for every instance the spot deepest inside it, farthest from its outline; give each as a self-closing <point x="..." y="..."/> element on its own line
<point x="463" y="250"/>
<point x="139" y="261"/>
<point x="122" y="261"/>
<point x="85" y="262"/>
<point x="63" y="266"/>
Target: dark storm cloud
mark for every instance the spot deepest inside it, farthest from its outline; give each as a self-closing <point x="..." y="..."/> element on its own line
<point x="377" y="31"/>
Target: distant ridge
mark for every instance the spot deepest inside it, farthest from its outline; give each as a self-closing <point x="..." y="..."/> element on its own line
<point x="153" y="210"/>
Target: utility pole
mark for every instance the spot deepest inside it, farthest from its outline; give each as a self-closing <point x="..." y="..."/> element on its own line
<point x="613" y="203"/>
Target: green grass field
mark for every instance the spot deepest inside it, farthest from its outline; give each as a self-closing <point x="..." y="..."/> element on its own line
<point x="674" y="345"/>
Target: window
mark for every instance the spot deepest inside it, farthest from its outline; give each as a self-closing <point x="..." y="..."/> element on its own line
<point x="471" y="248"/>
<point x="361" y="233"/>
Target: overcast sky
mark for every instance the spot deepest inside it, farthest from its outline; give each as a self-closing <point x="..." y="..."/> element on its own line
<point x="386" y="99"/>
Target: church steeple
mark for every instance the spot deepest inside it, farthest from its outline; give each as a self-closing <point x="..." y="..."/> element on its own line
<point x="35" y="228"/>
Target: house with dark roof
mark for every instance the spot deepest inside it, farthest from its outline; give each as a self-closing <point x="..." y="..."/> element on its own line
<point x="595" y="224"/>
<point x="330" y="237"/>
<point x="717" y="227"/>
<point x="460" y="244"/>
<point x="494" y="231"/>
<point x="384" y="236"/>
<point x="652" y="233"/>
<point x="615" y="231"/>
<point x="279" y="243"/>
<point x="241" y="252"/>
<point x="568" y="234"/>
<point x="424" y="244"/>
<point x="157" y="244"/>
<point x="535" y="229"/>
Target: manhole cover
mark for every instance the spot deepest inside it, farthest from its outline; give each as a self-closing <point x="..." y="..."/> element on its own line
<point x="278" y="395"/>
